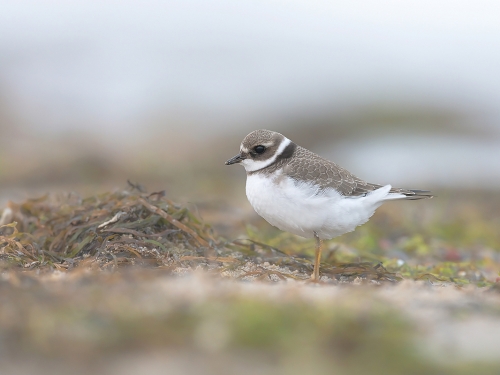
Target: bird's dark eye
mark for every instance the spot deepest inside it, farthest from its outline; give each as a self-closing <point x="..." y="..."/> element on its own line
<point x="259" y="149"/>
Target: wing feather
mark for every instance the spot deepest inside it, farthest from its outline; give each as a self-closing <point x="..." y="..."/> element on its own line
<point x="309" y="167"/>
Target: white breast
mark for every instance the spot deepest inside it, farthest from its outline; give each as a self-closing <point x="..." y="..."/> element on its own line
<point x="301" y="209"/>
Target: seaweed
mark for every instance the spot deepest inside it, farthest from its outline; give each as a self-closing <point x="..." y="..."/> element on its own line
<point x="133" y="228"/>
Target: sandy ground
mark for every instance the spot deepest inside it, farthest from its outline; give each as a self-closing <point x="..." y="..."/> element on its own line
<point x="453" y="325"/>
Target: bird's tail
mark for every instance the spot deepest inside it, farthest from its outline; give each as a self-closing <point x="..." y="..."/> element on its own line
<point x="408" y="194"/>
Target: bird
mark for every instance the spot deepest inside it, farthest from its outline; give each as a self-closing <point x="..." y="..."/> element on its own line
<point x="300" y="192"/>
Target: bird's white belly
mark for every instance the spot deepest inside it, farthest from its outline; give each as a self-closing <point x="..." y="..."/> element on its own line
<point x="298" y="208"/>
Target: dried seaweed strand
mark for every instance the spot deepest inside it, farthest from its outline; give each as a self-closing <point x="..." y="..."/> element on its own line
<point x="210" y="258"/>
<point x="173" y="221"/>
<point x="139" y="234"/>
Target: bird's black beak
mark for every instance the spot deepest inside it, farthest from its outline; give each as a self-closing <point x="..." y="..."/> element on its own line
<point x="236" y="159"/>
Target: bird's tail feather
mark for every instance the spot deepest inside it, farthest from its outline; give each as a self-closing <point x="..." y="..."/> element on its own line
<point x="408" y="194"/>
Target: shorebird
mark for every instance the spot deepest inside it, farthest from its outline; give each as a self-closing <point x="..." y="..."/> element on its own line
<point x="299" y="192"/>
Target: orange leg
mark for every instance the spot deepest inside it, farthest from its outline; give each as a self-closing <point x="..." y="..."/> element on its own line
<point x="317" y="258"/>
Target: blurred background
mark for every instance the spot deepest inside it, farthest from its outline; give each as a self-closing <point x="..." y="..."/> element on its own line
<point x="161" y="93"/>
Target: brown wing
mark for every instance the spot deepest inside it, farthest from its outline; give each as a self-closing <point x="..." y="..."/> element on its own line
<point x="308" y="166"/>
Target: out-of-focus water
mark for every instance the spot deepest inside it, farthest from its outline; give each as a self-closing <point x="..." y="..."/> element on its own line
<point x="421" y="162"/>
<point x="104" y="65"/>
<point x="203" y="68"/>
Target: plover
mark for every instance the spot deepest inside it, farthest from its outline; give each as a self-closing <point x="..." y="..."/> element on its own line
<point x="299" y="192"/>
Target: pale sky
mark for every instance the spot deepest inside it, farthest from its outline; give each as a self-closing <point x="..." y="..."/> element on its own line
<point x="110" y="63"/>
